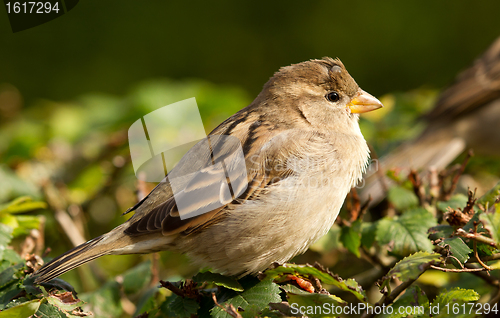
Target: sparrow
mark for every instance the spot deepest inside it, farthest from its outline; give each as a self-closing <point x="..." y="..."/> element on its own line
<point x="465" y="116"/>
<point x="303" y="151"/>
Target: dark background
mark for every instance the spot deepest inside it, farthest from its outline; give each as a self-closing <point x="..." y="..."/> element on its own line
<point x="107" y="46"/>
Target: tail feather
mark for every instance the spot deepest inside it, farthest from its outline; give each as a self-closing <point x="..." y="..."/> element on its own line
<point x="73" y="258"/>
<point x="115" y="242"/>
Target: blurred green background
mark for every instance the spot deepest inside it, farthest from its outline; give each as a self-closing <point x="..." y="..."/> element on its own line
<point x="108" y="46"/>
<point x="70" y="88"/>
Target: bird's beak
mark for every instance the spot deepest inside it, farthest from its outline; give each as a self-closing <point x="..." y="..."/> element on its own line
<point x="364" y="102"/>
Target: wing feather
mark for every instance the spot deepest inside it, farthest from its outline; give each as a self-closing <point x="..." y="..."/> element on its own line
<point x="159" y="210"/>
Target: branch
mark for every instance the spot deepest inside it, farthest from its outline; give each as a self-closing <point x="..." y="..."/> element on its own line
<point x="230" y="310"/>
<point x="172" y="288"/>
<point x="389" y="299"/>
<point x="477" y="237"/>
<point x="459" y="270"/>
<point x="475" y="252"/>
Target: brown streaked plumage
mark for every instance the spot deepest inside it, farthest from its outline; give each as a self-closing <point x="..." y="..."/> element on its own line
<point x="303" y="152"/>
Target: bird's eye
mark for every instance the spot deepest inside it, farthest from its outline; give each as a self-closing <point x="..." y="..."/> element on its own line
<point x="333" y="97"/>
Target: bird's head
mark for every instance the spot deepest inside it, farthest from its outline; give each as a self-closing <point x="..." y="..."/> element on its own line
<point x="320" y="89"/>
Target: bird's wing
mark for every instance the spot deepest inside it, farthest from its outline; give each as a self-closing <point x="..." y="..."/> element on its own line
<point x="262" y="148"/>
<point x="474" y="87"/>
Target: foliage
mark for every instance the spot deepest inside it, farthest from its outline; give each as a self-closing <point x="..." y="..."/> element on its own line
<point x="19" y="297"/>
<point x="74" y="176"/>
<point x="407" y="233"/>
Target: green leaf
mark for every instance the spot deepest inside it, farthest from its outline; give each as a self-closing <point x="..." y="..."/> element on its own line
<point x="368" y="232"/>
<point x="23" y="310"/>
<point x="22" y="204"/>
<point x="65" y="301"/>
<point x="351" y="237"/>
<point x="490" y="196"/>
<point x="485" y="250"/>
<point x="309" y="304"/>
<point x="402" y="198"/>
<point x="491" y="222"/>
<point x="252" y="300"/>
<point x="271" y="313"/>
<point x="7" y="277"/>
<point x="412" y="266"/>
<point x="50" y="311"/>
<point x="440" y="232"/>
<point x="447" y="301"/>
<point x="11" y="185"/>
<point x="25" y="224"/>
<point x="237" y="301"/>
<point x="7" y="294"/>
<point x="475" y="219"/>
<point x="10" y="221"/>
<point x="407" y="233"/>
<point x="11" y="256"/>
<point x="5" y="238"/>
<point x="184" y="307"/>
<point x="349" y="285"/>
<point x="263" y="293"/>
<point x="413" y="300"/>
<point x="147" y="302"/>
<point x="136" y="278"/>
<point x="29" y="286"/>
<point x="293" y="289"/>
<point x="458" y="248"/>
<point x="455" y="202"/>
<point x="5" y="234"/>
<point x="219" y="280"/>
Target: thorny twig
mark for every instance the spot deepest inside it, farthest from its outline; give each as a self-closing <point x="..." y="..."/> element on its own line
<point x="186" y="289"/>
<point x="172" y="288"/>
<point x="230" y="310"/>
